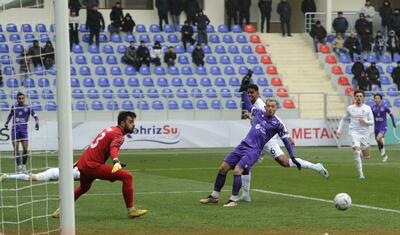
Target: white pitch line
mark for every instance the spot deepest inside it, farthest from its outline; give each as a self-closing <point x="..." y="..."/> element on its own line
<point x="324" y="200"/>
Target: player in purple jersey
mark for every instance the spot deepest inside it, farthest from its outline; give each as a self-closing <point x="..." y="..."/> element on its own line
<point x="263" y="127"/>
<point x="380" y="112"/>
<point x="20" y="113"/>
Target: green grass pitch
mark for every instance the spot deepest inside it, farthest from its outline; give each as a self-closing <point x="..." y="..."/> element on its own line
<point x="170" y="183"/>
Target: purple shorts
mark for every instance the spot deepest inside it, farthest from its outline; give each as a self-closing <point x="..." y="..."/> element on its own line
<point x="19" y="135"/>
<point x="381" y="131"/>
<point x="243" y="156"/>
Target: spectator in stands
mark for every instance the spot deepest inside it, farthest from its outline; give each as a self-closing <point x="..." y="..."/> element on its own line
<point x="74" y="5"/>
<point x="130" y="56"/>
<point x="187" y="34"/>
<point x="128" y="24"/>
<point x="366" y="40"/>
<point x="143" y="54"/>
<point x="396" y="75"/>
<point x="94" y="22"/>
<point x="318" y="33"/>
<point x="369" y="12"/>
<point x="191" y="7"/>
<point x="362" y="25"/>
<point x="170" y="57"/>
<point x="232" y="8"/>
<point x="357" y="70"/>
<point x="116" y="17"/>
<point x="244" y="11"/>
<point x="156" y="53"/>
<point x="373" y="75"/>
<point x="353" y="45"/>
<point x="89" y="5"/>
<point x="386" y="13"/>
<point x="379" y="44"/>
<point x="73" y="29"/>
<point x="340" y="24"/>
<point x="162" y="9"/>
<point x="201" y="22"/>
<point x="175" y="9"/>
<point x="48" y="55"/>
<point x="393" y="43"/>
<point x="285" y="12"/>
<point x="338" y="45"/>
<point x="34" y="53"/>
<point x="308" y="6"/>
<point x="363" y="82"/>
<point x="265" y="10"/>
<point x="395" y="22"/>
<point x="24" y="61"/>
<point x="198" y="55"/>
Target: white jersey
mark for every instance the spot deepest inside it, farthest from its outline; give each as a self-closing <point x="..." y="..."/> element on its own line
<point x="54" y="174"/>
<point x="354" y="113"/>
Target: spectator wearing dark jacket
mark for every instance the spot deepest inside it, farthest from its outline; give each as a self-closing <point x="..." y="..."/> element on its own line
<point x="198" y="56"/>
<point x="395" y="22"/>
<point x="285" y="12"/>
<point x="201" y="22"/>
<point x="162" y="9"/>
<point x="48" y="55"/>
<point x="170" y="56"/>
<point x="353" y="45"/>
<point x="363" y="82"/>
<point x="366" y="41"/>
<point x="24" y="61"/>
<point x="130" y="56"/>
<point x="232" y="8"/>
<point x="393" y="44"/>
<point x="265" y="7"/>
<point x="318" y="33"/>
<point x="244" y="11"/>
<point x="116" y="17"/>
<point x="340" y="24"/>
<point x="357" y="68"/>
<point x="94" y="22"/>
<point x="187" y="34"/>
<point x="74" y="5"/>
<point x="175" y="9"/>
<point x="34" y="53"/>
<point x="143" y="54"/>
<point x="362" y="25"/>
<point x="73" y="29"/>
<point x="396" y="75"/>
<point x="386" y="13"/>
<point x="373" y="74"/>
<point x="379" y="44"/>
<point x="191" y="8"/>
<point x="308" y="6"/>
<point x="128" y="24"/>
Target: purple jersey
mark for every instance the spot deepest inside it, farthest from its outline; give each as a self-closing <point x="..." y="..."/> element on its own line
<point x="20" y="115"/>
<point x="380" y="117"/>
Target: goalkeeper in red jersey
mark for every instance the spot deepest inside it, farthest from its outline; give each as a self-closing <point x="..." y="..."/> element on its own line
<point x="92" y="162"/>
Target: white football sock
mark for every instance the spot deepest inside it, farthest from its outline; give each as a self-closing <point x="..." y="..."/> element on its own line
<point x="246" y="184"/>
<point x="234" y="198"/>
<point x="215" y="194"/>
<point x="304" y="164"/>
<point x="18" y="176"/>
<point x="357" y="158"/>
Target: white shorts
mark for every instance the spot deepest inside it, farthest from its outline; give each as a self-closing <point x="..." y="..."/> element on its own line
<point x="273" y="149"/>
<point x="361" y="141"/>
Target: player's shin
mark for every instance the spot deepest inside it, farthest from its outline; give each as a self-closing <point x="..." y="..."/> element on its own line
<point x="246" y="179"/>
<point x="219" y="183"/>
<point x="304" y="164"/>
<point x="18" y="160"/>
<point x="357" y="158"/>
<point x="237" y="184"/>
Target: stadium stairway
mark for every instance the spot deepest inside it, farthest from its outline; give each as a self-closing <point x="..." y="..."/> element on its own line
<point x="302" y="73"/>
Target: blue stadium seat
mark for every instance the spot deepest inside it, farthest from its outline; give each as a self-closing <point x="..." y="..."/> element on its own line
<point x="229" y="70"/>
<point x="157" y="105"/>
<point x="386" y="59"/>
<point x="130" y="38"/>
<point x="50" y="106"/>
<point x="225" y="60"/>
<point x="344" y="59"/>
<point x="176" y="82"/>
<point x="211" y="93"/>
<point x="227" y="39"/>
<point x="111" y="59"/>
<point x="116" y="38"/>
<point x="6" y="59"/>
<point x="252" y="59"/>
<point x="215" y="70"/>
<point x="173" y="105"/>
<point x="220" y="82"/>
<point x="348" y="69"/>
<point x="36" y="106"/>
<point x="267" y="92"/>
<point x="223" y="28"/>
<point x="187" y="104"/>
<point x="169" y="28"/>
<point x="28" y="83"/>
<point x="182" y="93"/>
<point x="154" y="28"/>
<point x="233" y="49"/>
<point x="261" y="81"/>
<point x="172" y="38"/>
<point x="216" y="104"/>
<point x="179" y="49"/>
<point x="231" y="104"/>
<point x="97" y="105"/>
<point x="4" y="48"/>
<point x="127" y="105"/>
<point x="43" y="82"/>
<point x="237" y="29"/>
<point x="201" y="104"/>
<point x="201" y="70"/>
<point x="186" y="70"/>
<point x="77" y="94"/>
<point x="152" y="93"/>
<point x="389" y="69"/>
<point x="371" y="58"/>
<point x="103" y="82"/>
<point x="182" y="59"/>
<point x="13" y="94"/>
<point x="85" y="71"/>
<point x="2" y="38"/>
<point x="173" y="70"/>
<point x="191" y="82"/>
<point x="210" y="29"/>
<point x="211" y="59"/>
<point x="75" y="82"/>
<point x="83" y="29"/>
<point x="243" y="70"/>
<point x="396" y="57"/>
<point x="159" y="38"/>
<point x="241" y="38"/>
<point x="196" y="93"/>
<point x="370" y="102"/>
<point x="108" y="49"/>
<point x="144" y="70"/>
<point x="137" y="93"/>
<point x="133" y="82"/>
<point x="130" y="70"/>
<point x="145" y="38"/>
<point x="246" y="49"/>
<point x="393" y="92"/>
<point x="103" y="38"/>
<point x="238" y="59"/>
<point x="112" y="105"/>
<point x="191" y="48"/>
<point x="32" y="94"/>
<point x="108" y="94"/>
<point x="14" y="38"/>
<point x="385" y="80"/>
<point x="167" y="93"/>
<point x="207" y="49"/>
<point x="93" y="94"/>
<point x="52" y="28"/>
<point x="148" y="82"/>
<point x="143" y="105"/>
<point x="159" y="70"/>
<point x="330" y="38"/>
<point x="47" y="94"/>
<point x="115" y="70"/>
<point x="77" y="49"/>
<point x="52" y="70"/>
<point x="205" y="81"/>
<point x="81" y="106"/>
<point x="213" y="38"/>
<point x="11" y="28"/>
<point x="396" y="102"/>
<point x="39" y="70"/>
<point x="29" y="37"/>
<point x="1" y="28"/>
<point x="93" y="49"/>
<point x="219" y="49"/>
<point x="121" y="49"/>
<point x="8" y="70"/>
<point x="234" y="81"/>
<point x="162" y="82"/>
<point x="12" y="83"/>
<point x="386" y="102"/>
<point x="4" y="106"/>
<point x="88" y="82"/>
<point x="44" y="38"/>
<point x="101" y="71"/>
<point x="123" y="93"/>
<point x="41" y="28"/>
<point x="119" y="82"/>
<point x="80" y="59"/>
<point x="3" y="95"/>
<point x="258" y="70"/>
<point x="226" y="93"/>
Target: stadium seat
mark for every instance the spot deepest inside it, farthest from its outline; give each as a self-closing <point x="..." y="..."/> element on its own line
<point x="92" y="94"/>
<point x="103" y="82"/>
<point x="8" y="70"/>
<point x="145" y="38"/>
<point x="216" y="104"/>
<point x="36" y="106"/>
<point x="396" y="102"/>
<point x="196" y="93"/>
<point x="123" y="93"/>
<point x="385" y="80"/>
<point x="11" y="28"/>
<point x="386" y="103"/>
<point x="3" y="95"/>
<point x="220" y="82"/>
<point x="130" y="70"/>
<point x="258" y="70"/>
<point x="169" y="28"/>
<point x="111" y="59"/>
<point x="83" y="29"/>
<point x="12" y="83"/>
<point x="116" y="38"/>
<point x="158" y="38"/>
<point x="77" y="94"/>
<point x="133" y="82"/>
<point x="32" y="94"/>
<point x="157" y="105"/>
<point x="200" y="70"/>
<point x="246" y="49"/>
<point x="229" y="70"/>
<point x="288" y="104"/>
<point x="231" y="104"/>
<point x="75" y="82"/>
<point x="223" y="28"/>
<point x="85" y="71"/>
<point x="162" y="82"/>
<point x="260" y="49"/>
<point x="225" y="60"/>
<point x="249" y="28"/>
<point x="172" y="70"/>
<point x="255" y="39"/>
<point x="6" y="59"/>
<point x="213" y="38"/>
<point x="81" y="106"/>
<point x="389" y="69"/>
<point x="101" y="71"/>
<point x="211" y="59"/>
<point x="349" y="91"/>
<point x="386" y="59"/>
<point x="186" y="70"/>
<point x="52" y="28"/>
<point x="238" y="59"/>
<point x="39" y="70"/>
<point x="173" y="105"/>
<point x="152" y="93"/>
<point x="4" y="106"/>
<point x="29" y="37"/>
<point x="343" y="58"/>
<point x="103" y="38"/>
<point x="154" y="28"/>
<point x="393" y="92"/>
<point x="236" y="29"/>
<point x="2" y="38"/>
<point x="47" y="94"/>
<point x="112" y="105"/>
<point x="234" y="81"/>
<point x="267" y="92"/>
<point x="167" y="93"/>
<point x="77" y="49"/>
<point x="115" y="70"/>
<point x="137" y="93"/>
<point x="206" y="82"/>
<point x="28" y="83"/>
<point x="41" y="28"/>
<point x="97" y="105"/>
<point x="233" y="49"/>
<point x="282" y="92"/>
<point x="396" y="57"/>
<point x="108" y="94"/>
<point x="144" y="70"/>
<point x="50" y="106"/>
<point x="187" y="104"/>
<point x="275" y="81"/>
<point x="191" y="82"/>
<point x="108" y="49"/>
<point x="227" y="39"/>
<point x="348" y="69"/>
<point x="211" y="93"/>
<point x="14" y="38"/>
<point x="343" y="81"/>
<point x="182" y="59"/>
<point x="210" y="29"/>
<point x="80" y="59"/>
<point x="176" y="82"/>
<point x="43" y="82"/>
<point x="207" y="49"/>
<point x="93" y="49"/>
<point x="179" y="49"/>
<point x="266" y="59"/>
<point x="219" y="49"/>
<point x="243" y="70"/>
<point x="148" y="82"/>
<point x="143" y="105"/>
<point x="44" y="38"/>
<point x="226" y="93"/>
<point x="215" y="70"/>
<point x="262" y="81"/>
<point x="201" y="104"/>
<point x="272" y="70"/>
<point x="370" y="102"/>
<point x="324" y="49"/>
<point x="330" y="38"/>
<point x="119" y="82"/>
<point x="172" y="38"/>
<point x="241" y="38"/>
<point x="127" y="105"/>
<point x="337" y="70"/>
<point x="121" y="49"/>
<point x="4" y="48"/>
<point x="371" y="58"/>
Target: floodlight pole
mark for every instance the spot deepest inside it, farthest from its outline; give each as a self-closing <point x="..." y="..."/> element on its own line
<point x="65" y="147"/>
<point x="328" y="16"/>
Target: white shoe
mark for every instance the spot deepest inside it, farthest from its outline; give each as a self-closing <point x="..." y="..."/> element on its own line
<point x="19" y="169"/>
<point x="230" y="203"/>
<point x="23" y="170"/>
<point x="245" y="198"/>
<point x="385" y="158"/>
<point x="322" y="170"/>
<point x="3" y="177"/>
<point x="362" y="177"/>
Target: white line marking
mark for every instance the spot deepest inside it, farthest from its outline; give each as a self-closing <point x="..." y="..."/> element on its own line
<point x="324" y="200"/>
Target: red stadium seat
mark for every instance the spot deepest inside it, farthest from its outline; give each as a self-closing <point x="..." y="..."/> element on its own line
<point x="324" y="49"/>
<point x="250" y="28"/>
<point x="282" y="92"/>
<point x="255" y="39"/>
<point x="343" y="81"/>
<point x="288" y="104"/>
<point x="337" y="70"/>
<point x="349" y="91"/>
<point x="276" y="82"/>
<point x="330" y="59"/>
<point x="272" y="70"/>
<point x="260" y="49"/>
<point x="266" y="59"/>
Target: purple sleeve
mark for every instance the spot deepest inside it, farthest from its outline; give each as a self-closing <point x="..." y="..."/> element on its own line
<point x="288" y="146"/>
<point x="247" y="103"/>
<point x="10" y="115"/>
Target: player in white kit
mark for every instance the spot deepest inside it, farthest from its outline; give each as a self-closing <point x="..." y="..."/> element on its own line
<point x="361" y="119"/>
<point x="47" y="175"/>
<point x="273" y="149"/>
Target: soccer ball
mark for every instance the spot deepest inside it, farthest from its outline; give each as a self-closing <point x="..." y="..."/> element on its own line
<point x="342" y="201"/>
